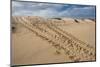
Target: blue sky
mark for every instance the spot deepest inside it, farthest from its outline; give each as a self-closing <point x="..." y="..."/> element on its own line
<point x="52" y="10"/>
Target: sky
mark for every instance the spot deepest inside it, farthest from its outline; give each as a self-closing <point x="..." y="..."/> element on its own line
<point x="52" y="10"/>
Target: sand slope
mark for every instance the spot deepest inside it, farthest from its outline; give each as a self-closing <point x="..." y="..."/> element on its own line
<point x="37" y="40"/>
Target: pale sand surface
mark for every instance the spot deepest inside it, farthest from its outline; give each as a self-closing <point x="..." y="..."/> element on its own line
<point x="83" y="31"/>
<point x="28" y="48"/>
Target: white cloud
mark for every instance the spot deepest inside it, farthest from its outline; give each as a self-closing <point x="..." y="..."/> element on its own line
<point x="51" y="10"/>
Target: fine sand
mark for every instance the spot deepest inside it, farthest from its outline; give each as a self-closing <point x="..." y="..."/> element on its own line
<point x="37" y="40"/>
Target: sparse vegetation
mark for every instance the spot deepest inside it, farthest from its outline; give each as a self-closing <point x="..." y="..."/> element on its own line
<point x="57" y="18"/>
<point x="76" y="20"/>
<point x="13" y="27"/>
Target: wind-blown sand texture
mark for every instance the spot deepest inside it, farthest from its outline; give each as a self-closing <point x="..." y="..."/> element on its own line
<point x="36" y="40"/>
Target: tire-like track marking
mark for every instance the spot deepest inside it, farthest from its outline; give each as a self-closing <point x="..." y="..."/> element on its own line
<point x="64" y="42"/>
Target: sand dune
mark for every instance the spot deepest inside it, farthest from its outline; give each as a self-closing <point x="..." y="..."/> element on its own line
<point x="36" y="40"/>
